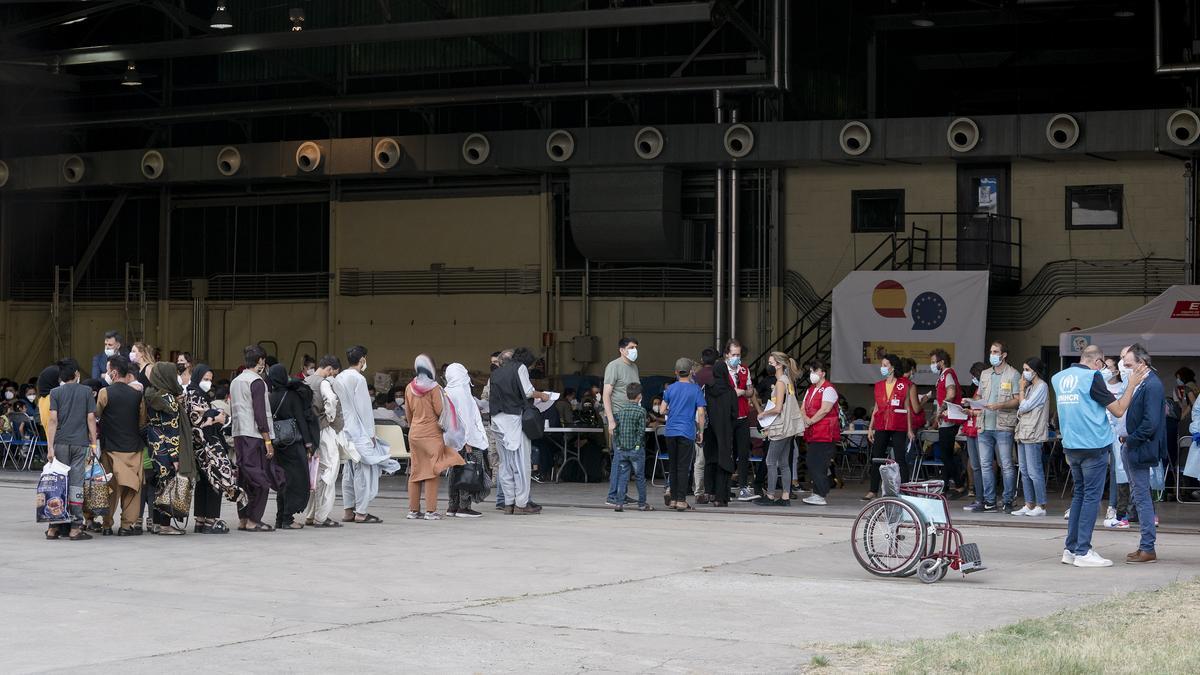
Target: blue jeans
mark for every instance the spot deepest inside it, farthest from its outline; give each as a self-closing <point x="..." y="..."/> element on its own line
<point x="1139" y="494"/>
<point x="976" y="473"/>
<point x="994" y="444"/>
<point x="1089" y="468"/>
<point x="625" y="461"/>
<point x="1033" y="475"/>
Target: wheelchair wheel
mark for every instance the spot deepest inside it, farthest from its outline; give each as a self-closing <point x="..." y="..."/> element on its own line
<point x="932" y="570"/>
<point x="889" y="538"/>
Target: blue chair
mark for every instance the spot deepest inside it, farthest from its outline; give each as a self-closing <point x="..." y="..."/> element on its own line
<point x="660" y="455"/>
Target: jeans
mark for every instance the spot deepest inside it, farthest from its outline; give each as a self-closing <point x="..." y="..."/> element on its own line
<point x="976" y="473"/>
<point x="625" y="461"/>
<point x="778" y="454"/>
<point x="1139" y="489"/>
<point x="1033" y="475"/>
<point x="1088" y="471"/>
<point x="991" y="445"/>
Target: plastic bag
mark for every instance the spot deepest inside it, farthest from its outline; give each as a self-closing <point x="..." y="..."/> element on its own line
<point x="52" y="494"/>
<point x="1158" y="477"/>
<point x="95" y="488"/>
<point x="890" y="475"/>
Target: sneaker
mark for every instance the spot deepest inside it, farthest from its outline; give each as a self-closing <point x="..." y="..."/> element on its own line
<point x="746" y="495"/>
<point x="536" y="478"/>
<point x="451" y="513"/>
<point x="984" y="508"/>
<point x="645" y="507"/>
<point x="415" y="515"/>
<point x="1067" y="514"/>
<point x="1110" y="514"/>
<point x="468" y="513"/>
<point x="1092" y="559"/>
<point x="1156" y="521"/>
<point x="1007" y="508"/>
<point x="815" y="500"/>
<point x="1068" y="557"/>
<point x="1036" y="511"/>
<point x="433" y="515"/>
<point x="525" y="511"/>
<point x="972" y="506"/>
<point x="1116" y="524"/>
<point x="1021" y="511"/>
<point x="500" y="507"/>
<point x="619" y="508"/>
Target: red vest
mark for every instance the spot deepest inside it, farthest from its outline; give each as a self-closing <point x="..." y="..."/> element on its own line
<point x="941" y="387"/>
<point x="827" y="429"/>
<point x="970" y="427"/>
<point x="892" y="413"/>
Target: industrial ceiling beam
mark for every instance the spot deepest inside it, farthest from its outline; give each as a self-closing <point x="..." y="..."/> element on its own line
<point x="621" y="17"/>
<point x="98" y="238"/>
<point x="442" y="12"/>
<point x="8" y="34"/>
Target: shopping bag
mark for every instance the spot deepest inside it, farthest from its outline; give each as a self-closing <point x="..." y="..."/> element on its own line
<point x="1192" y="466"/>
<point x="95" y="487"/>
<point x="174" y="497"/>
<point x="1158" y="477"/>
<point x="52" y="493"/>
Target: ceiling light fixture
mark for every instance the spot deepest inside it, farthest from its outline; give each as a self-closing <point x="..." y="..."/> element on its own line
<point x="296" y="16"/>
<point x="79" y="20"/>
<point x="131" y="79"/>
<point x="220" y="18"/>
<point x="1124" y="11"/>
<point x="923" y="20"/>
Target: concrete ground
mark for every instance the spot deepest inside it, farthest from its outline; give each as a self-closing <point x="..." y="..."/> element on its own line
<point x="571" y="589"/>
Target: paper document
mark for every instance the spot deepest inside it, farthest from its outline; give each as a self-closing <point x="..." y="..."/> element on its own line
<point x="976" y="404"/>
<point x="543" y="406"/>
<point x="955" y="412"/>
<point x="767" y="420"/>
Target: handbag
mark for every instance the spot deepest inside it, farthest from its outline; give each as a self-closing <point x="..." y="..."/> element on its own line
<point x="95" y="488"/>
<point x="789" y="422"/>
<point x="175" y="497"/>
<point x="469" y="477"/>
<point x="286" y="431"/>
<point x="532" y="423"/>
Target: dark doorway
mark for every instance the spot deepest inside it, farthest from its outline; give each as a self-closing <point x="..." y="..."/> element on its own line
<point x="984" y="229"/>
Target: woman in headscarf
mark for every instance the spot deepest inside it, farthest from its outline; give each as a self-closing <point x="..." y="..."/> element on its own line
<point x="216" y="476"/>
<point x="458" y="390"/>
<point x="288" y="402"/>
<point x="428" y="451"/>
<point x="169" y="435"/>
<point x="721" y="401"/>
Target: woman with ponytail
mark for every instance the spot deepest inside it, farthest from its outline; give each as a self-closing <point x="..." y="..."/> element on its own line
<point x="782" y="421"/>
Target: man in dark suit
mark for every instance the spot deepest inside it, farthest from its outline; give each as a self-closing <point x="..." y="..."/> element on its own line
<point x="1145" y="445"/>
<point x="113" y="345"/>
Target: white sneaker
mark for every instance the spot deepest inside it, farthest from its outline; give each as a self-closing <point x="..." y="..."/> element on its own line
<point x="815" y="500"/>
<point x="1068" y="557"/>
<point x="1092" y="559"/>
<point x="1036" y="511"/>
<point x="1067" y="514"/>
<point x="1110" y="514"/>
<point x="1022" y="511"/>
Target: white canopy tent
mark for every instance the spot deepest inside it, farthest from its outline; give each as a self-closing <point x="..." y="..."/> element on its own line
<point x="1168" y="325"/>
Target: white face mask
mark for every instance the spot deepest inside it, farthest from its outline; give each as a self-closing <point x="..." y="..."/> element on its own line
<point x="814" y="378"/>
<point x="631" y="353"/>
<point x="1028" y="375"/>
<point x="135" y="359"/>
<point x="107" y="378"/>
<point x="1106" y="373"/>
<point x="399" y="401"/>
<point x="205" y="385"/>
<point x="110" y="352"/>
<point x="364" y="366"/>
<point x="933" y="368"/>
<point x="657" y="409"/>
<point x="8" y="396"/>
<point x="1125" y="370"/>
<point x="31" y="398"/>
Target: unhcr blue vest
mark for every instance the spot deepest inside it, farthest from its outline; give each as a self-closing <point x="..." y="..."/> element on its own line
<point x="1081" y="420"/>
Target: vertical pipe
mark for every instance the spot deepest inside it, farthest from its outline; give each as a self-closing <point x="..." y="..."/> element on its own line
<point x="733" y="242"/>
<point x="787" y="46"/>
<point x="719" y="258"/>
<point x="1189" y="188"/>
<point x="587" y="298"/>
<point x="777" y="44"/>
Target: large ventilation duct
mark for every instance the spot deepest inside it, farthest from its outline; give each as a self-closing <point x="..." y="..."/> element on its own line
<point x="962" y="135"/>
<point x="387" y="153"/>
<point x="739" y="141"/>
<point x="153" y="165"/>
<point x="3" y="174"/>
<point x="560" y="145"/>
<point x="855" y="138"/>
<point x="648" y="143"/>
<point x="73" y="169"/>
<point x="308" y="157"/>
<point x="475" y="149"/>
<point x="627" y="214"/>
<point x="1062" y="131"/>
<point x="1183" y="127"/>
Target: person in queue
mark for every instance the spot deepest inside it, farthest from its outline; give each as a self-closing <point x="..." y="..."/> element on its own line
<point x="999" y="387"/>
<point x="1030" y="435"/>
<point x="1145" y="446"/>
<point x="947" y="391"/>
<point x="891" y="426"/>
<point x="822" y="430"/>
<point x="739" y="380"/>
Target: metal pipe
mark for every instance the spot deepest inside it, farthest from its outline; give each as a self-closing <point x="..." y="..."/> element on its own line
<point x="619" y="17"/>
<point x="733" y="241"/>
<point x="719" y="257"/>
<point x="1170" y="68"/>
<point x="777" y="44"/>
<point x="418" y="99"/>
<point x="1189" y="264"/>
<point x="787" y="46"/>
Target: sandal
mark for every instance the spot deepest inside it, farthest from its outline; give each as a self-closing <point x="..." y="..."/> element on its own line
<point x="258" y="527"/>
<point x="79" y="536"/>
<point x="290" y="526"/>
<point x="370" y="519"/>
<point x="169" y="531"/>
<point x="218" y="527"/>
<point x="329" y="522"/>
<point x="52" y="535"/>
<point x="867" y="497"/>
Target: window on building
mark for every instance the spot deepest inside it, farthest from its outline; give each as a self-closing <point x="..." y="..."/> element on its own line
<point x="1095" y="207"/>
<point x="877" y="210"/>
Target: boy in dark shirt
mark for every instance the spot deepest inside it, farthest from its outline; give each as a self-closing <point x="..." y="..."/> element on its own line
<point x="629" y="452"/>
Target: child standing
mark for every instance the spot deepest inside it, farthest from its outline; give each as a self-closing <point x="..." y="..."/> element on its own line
<point x="683" y="407"/>
<point x="629" y="449"/>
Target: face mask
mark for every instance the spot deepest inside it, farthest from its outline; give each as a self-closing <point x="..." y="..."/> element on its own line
<point x="975" y="381"/>
<point x="771" y="370"/>
<point x="933" y="368"/>
<point x="1106" y="374"/>
<point x="107" y="378"/>
<point x="1124" y="370"/>
<point x="31" y="398"/>
<point x="994" y="359"/>
<point x="1028" y="375"/>
<point x="734" y="361"/>
<point x="310" y="372"/>
<point x="814" y="378"/>
<point x="494" y="366"/>
<point x="574" y="404"/>
<point x="399" y="400"/>
<point x="110" y="352"/>
<point x="181" y="367"/>
<point x="884" y="371"/>
<point x="205" y="385"/>
<point x="364" y="366"/>
<point x="1178" y="382"/>
<point x="136" y="360"/>
<point x="656" y="409"/>
<point x="631" y="354"/>
<point x="8" y="396"/>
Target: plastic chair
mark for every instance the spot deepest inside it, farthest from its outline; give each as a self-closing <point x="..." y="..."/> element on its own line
<point x="1185" y="447"/>
<point x="935" y="460"/>
<point x="393" y="434"/>
<point x="660" y="455"/>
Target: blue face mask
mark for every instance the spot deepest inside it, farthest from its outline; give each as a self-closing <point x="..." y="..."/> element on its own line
<point x="884" y="370"/>
<point x="994" y="360"/>
<point x="975" y="381"/>
<point x="631" y="353"/>
<point x="734" y="361"/>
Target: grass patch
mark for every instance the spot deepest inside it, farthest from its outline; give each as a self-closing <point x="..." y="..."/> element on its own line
<point x="1142" y="632"/>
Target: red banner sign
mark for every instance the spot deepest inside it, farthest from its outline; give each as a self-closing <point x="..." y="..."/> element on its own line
<point x="1186" y="309"/>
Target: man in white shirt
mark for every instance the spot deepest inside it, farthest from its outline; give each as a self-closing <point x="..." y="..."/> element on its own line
<point x="509" y="392"/>
<point x="360" y="471"/>
<point x="332" y="422"/>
